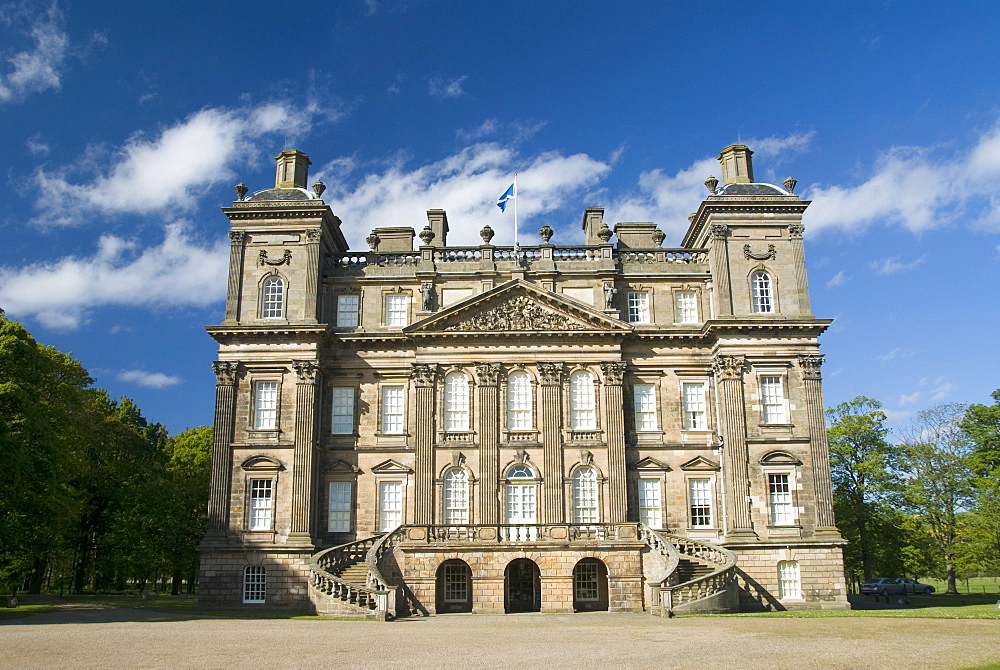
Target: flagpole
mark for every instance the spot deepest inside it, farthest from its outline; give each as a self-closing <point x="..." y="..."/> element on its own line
<point x="516" y="247"/>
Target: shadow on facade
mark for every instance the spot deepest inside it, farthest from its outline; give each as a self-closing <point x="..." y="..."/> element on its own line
<point x="754" y="597"/>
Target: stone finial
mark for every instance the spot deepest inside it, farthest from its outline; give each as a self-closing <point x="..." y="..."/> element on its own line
<point x="318" y="188"/>
<point x="604" y="233"/>
<point x="711" y="184"/>
<point x="427" y="235"/>
<point x="789" y="184"/>
<point x="546" y="233"/>
<point x="658" y="237"/>
<point x="486" y="233"/>
<point x="373" y="241"/>
<point x="737" y="168"/>
<point x="241" y="190"/>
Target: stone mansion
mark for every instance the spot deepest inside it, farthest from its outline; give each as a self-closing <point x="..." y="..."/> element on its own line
<point x="421" y="428"/>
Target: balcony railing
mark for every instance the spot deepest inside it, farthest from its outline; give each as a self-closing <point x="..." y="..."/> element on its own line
<point x="520" y="533"/>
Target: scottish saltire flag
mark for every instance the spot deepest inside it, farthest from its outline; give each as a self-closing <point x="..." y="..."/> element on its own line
<point x="507" y="195"/>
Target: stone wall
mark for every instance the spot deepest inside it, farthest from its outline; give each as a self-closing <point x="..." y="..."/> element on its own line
<point x="221" y="579"/>
<point x="821" y="572"/>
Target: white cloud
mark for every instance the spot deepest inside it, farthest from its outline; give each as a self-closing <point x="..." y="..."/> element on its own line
<point x="181" y="271"/>
<point x="38" y="67"/>
<point x="36" y="145"/>
<point x="910" y="399"/>
<point x="514" y="132"/>
<point x="892" y="265"/>
<point x="440" y="87"/>
<point x="895" y="354"/>
<point x="155" y="380"/>
<point x="838" y="279"/>
<point x="916" y="188"/>
<point x="148" y="175"/>
<point x="465" y="184"/>
<point x="895" y="416"/>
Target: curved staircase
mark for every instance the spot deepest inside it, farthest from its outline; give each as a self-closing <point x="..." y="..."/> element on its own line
<point x="701" y="576"/>
<point x="346" y="579"/>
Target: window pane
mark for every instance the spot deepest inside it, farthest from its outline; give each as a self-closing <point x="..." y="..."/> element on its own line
<point x="347" y="311"/>
<point x="390" y="505"/>
<point x="272" y="303"/>
<point x="519" y="401"/>
<point x="456" y="401"/>
<point x="644" y="399"/>
<point x="773" y="399"/>
<point x="650" y="510"/>
<point x="583" y="415"/>
<point x="396" y="310"/>
<point x="585" y="495"/>
<point x="261" y="504"/>
<point x="392" y="409"/>
<point x="266" y="405"/>
<point x="685" y="307"/>
<point x="456" y="497"/>
<point x="780" y="498"/>
<point x="456" y="582"/>
<point x="586" y="578"/>
<point x="700" y="502"/>
<point x="343" y="410"/>
<point x="760" y="286"/>
<point x="254" y="584"/>
<point x="694" y="407"/>
<point x="789" y="583"/>
<point x="638" y="308"/>
<point x="340" y="507"/>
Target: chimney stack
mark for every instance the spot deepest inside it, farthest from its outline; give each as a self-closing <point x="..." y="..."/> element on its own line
<point x="737" y="168"/>
<point x="293" y="169"/>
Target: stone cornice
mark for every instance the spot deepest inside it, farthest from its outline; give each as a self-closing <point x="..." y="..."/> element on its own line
<point x="267" y="333"/>
<point x="729" y="205"/>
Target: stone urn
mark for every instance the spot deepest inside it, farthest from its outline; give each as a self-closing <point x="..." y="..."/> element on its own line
<point x="486" y="233"/>
<point x="546" y="233"/>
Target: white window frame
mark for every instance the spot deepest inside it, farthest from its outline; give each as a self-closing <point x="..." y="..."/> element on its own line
<point x="457" y="391"/>
<point x="694" y="405"/>
<point x="392" y="418"/>
<point x="774" y="407"/>
<point x="645" y="407"/>
<point x="397" y="310"/>
<point x="390" y="519"/>
<point x="348" y="310"/>
<point x="789" y="580"/>
<point x="520" y="410"/>
<point x="700" y="496"/>
<point x="266" y="403"/>
<point x="762" y="294"/>
<point x="651" y="507"/>
<point x="272" y="303"/>
<point x="586" y="506"/>
<point x="254" y="584"/>
<point x="340" y="507"/>
<point x="587" y="587"/>
<point x="582" y="401"/>
<point x="781" y="502"/>
<point x="260" y="503"/>
<point x="342" y="410"/>
<point x="686" y="313"/>
<point x="637" y="306"/>
<point x="455" y="497"/>
<point x="451" y="579"/>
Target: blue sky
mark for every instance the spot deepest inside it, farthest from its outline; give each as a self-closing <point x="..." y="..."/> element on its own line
<point x="125" y="128"/>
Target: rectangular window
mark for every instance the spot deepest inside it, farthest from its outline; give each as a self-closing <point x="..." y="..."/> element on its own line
<point x="261" y="504"/>
<point x="694" y="407"/>
<point x="773" y="399"/>
<point x="789" y="582"/>
<point x="390" y="501"/>
<point x="265" y="406"/>
<point x="644" y="399"/>
<point x="456" y="582"/>
<point x="638" y="308"/>
<point x="340" y="507"/>
<point x="392" y="410"/>
<point x="685" y="307"/>
<point x="650" y="509"/>
<point x="456" y="498"/>
<point x="700" y="502"/>
<point x="779" y="496"/>
<point x="347" y="311"/>
<point x="254" y="584"/>
<point x="343" y="411"/>
<point x="587" y="577"/>
<point x="396" y="310"/>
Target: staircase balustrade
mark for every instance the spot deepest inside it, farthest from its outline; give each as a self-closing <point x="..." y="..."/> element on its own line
<point x="673" y="549"/>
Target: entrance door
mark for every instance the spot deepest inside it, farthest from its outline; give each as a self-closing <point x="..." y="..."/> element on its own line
<point x="522" y="587"/>
<point x="521" y="512"/>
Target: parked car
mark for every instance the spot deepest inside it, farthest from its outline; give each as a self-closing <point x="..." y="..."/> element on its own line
<point x="893" y="586"/>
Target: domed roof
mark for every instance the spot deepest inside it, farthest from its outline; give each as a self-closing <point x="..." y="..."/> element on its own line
<point x="274" y="194"/>
<point x="750" y="189"/>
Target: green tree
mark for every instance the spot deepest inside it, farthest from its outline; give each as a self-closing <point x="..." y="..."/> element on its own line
<point x="981" y="550"/>
<point x="861" y="461"/>
<point x="189" y="469"/>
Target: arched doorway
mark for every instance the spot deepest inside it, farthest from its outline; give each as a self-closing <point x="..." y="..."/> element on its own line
<point x="590" y="586"/>
<point x="522" y="587"/>
<point x="454" y="587"/>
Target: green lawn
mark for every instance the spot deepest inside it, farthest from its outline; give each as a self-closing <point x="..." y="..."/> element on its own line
<point x="188" y="605"/>
<point x="24" y="610"/>
<point x="974" y="585"/>
<point x="936" y="606"/>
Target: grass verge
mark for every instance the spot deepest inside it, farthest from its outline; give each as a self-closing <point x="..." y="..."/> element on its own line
<point x="188" y="606"/>
<point x="22" y="611"/>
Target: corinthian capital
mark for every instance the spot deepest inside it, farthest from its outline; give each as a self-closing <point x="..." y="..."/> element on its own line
<point x="720" y="231"/>
<point x="729" y="367"/>
<point x="225" y="372"/>
<point x="551" y="373"/>
<point x="424" y="374"/>
<point x="811" y="364"/>
<point x="237" y="236"/>
<point x="614" y="372"/>
<point x="796" y="229"/>
<point x="488" y="373"/>
<point x="306" y="371"/>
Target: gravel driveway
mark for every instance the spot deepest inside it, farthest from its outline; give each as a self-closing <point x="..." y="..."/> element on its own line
<point x="89" y="636"/>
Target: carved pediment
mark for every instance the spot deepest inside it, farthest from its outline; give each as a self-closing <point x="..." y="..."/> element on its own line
<point x="650" y="464"/>
<point x="518" y="306"/>
<point x="391" y="467"/>
<point x="340" y="466"/>
<point x="700" y="463"/>
<point x="779" y="458"/>
<point x="261" y="462"/>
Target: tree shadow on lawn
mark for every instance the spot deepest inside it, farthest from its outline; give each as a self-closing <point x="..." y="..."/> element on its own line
<point x="921" y="601"/>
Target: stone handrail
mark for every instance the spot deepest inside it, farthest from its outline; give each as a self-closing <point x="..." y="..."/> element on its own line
<point x="715" y="582"/>
<point x="324" y="564"/>
<point x="662" y="546"/>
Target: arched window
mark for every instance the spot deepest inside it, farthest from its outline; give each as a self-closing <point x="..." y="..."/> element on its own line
<point x="520" y="472"/>
<point x="582" y="412"/>
<point x="520" y="507"/>
<point x="519" y="401"/>
<point x="456" y="401"/>
<point x="272" y="304"/>
<point x="254" y="584"/>
<point x="585" y="495"/>
<point x="456" y="497"/>
<point x="762" y="291"/>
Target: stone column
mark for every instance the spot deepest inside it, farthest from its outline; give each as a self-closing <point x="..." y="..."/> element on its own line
<point x="795" y="231"/>
<point x="719" y="252"/>
<point x="489" y="442"/>
<point x="305" y="448"/>
<point x="551" y="420"/>
<point x="313" y="276"/>
<point x="614" y="431"/>
<point x="236" y="240"/>
<point x="819" y="447"/>
<point x="733" y="429"/>
<point x="222" y="439"/>
<point x="424" y="376"/>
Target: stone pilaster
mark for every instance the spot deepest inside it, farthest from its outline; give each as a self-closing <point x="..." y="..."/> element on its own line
<point x="552" y="458"/>
<point x="305" y="448"/>
<point x="313" y="273"/>
<point x="819" y="447"/>
<point x="795" y="231"/>
<point x="222" y="438"/>
<point x="720" y="270"/>
<point x="236" y="239"/>
<point x="489" y="441"/>
<point x="614" y="431"/>
<point x="733" y="429"/>
<point x="424" y="377"/>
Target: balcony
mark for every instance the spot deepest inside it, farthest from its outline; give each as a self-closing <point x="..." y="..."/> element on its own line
<point x="520" y="534"/>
